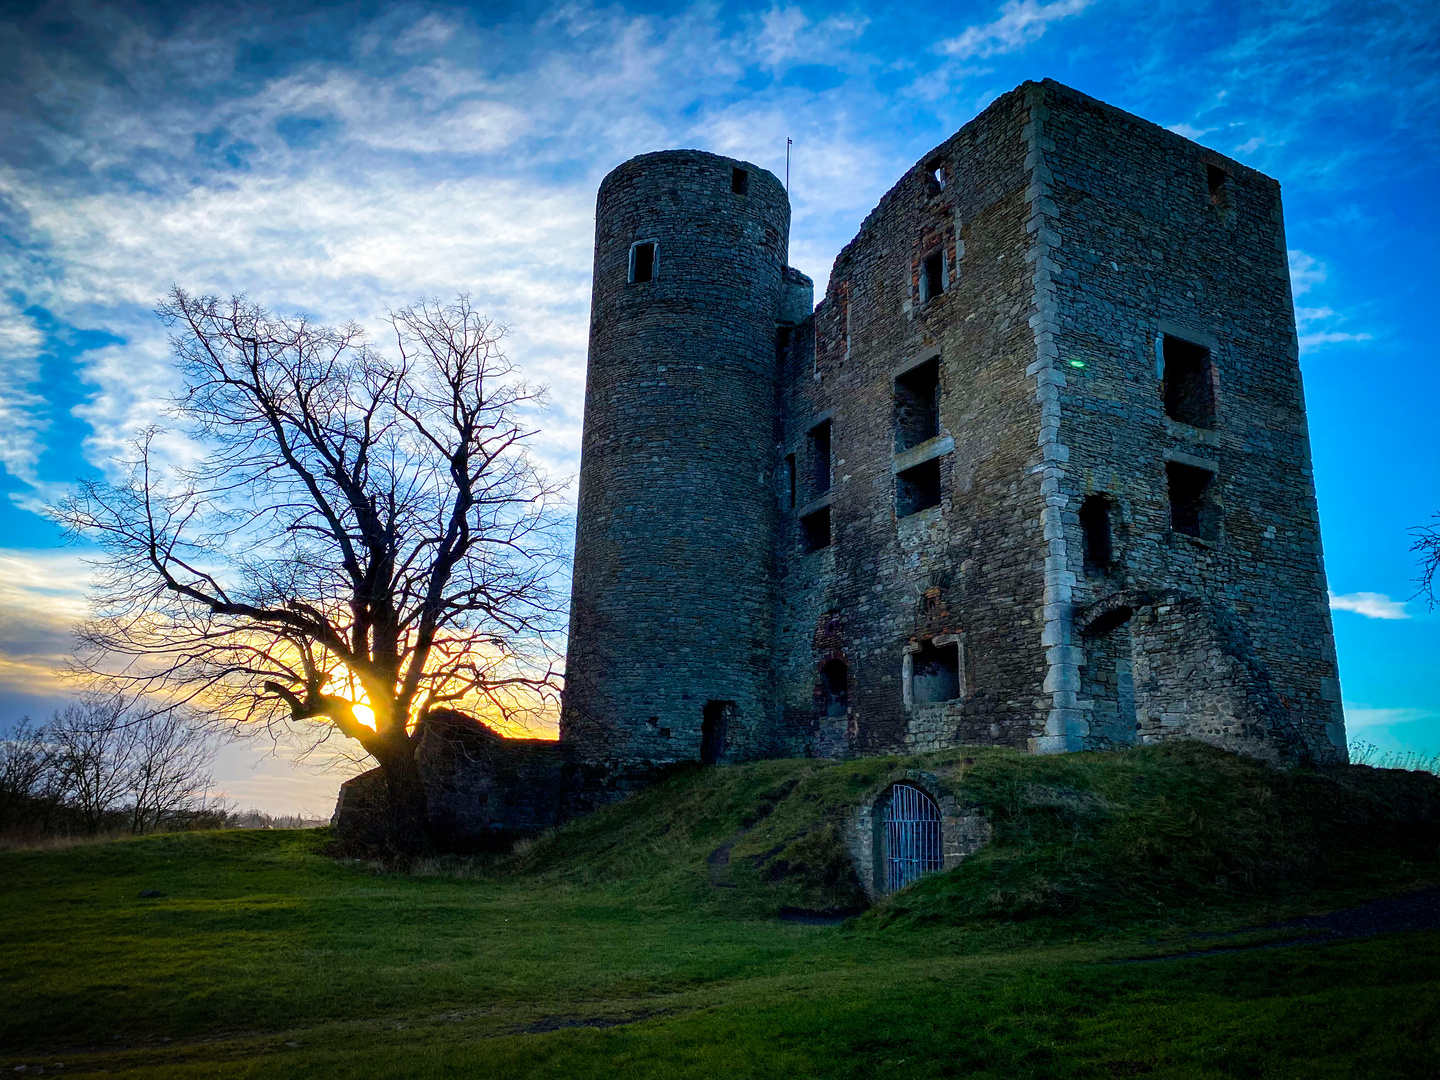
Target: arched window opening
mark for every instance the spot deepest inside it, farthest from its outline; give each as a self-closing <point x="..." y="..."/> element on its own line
<point x="912" y="836"/>
<point x="1098" y="533"/>
<point x="834" y="688"/>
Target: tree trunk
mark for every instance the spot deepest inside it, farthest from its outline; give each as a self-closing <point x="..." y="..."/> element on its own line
<point x="402" y="828"/>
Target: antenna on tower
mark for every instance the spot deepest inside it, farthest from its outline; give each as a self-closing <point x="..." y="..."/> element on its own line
<point x="788" y="141"/>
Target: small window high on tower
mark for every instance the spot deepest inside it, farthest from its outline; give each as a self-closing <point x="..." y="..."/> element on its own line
<point x="642" y="262"/>
<point x="1188" y="382"/>
<point x="932" y="277"/>
<point x="740" y="181"/>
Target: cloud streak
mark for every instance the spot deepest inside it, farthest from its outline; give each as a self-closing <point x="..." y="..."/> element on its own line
<point x="1370" y="604"/>
<point x="1020" y="23"/>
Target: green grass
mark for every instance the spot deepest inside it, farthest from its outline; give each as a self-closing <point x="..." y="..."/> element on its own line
<point x="265" y="957"/>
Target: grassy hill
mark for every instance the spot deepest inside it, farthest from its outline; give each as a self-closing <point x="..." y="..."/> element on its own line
<point x="644" y="941"/>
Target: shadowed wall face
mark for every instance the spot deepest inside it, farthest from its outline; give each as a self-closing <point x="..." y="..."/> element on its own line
<point x="672" y="588"/>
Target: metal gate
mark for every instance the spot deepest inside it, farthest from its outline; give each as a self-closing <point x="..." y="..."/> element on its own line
<point x="912" y="836"/>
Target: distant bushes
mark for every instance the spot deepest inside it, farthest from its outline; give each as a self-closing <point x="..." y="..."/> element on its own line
<point x="107" y="764"/>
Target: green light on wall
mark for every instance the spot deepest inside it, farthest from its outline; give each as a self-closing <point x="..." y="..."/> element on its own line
<point x="1077" y="363"/>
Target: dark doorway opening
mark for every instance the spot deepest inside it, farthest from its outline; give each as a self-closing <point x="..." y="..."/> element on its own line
<point x="713" y="730"/>
<point x="834" y="688"/>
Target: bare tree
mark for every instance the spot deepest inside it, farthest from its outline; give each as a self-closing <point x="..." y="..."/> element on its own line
<point x="26" y="769"/>
<point x="92" y="742"/>
<point x="169" y="769"/>
<point x="362" y="532"/>
<point x="1427" y="545"/>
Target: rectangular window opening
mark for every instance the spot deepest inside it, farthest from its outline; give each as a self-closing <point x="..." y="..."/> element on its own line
<point x="917" y="405"/>
<point x="740" y="181"/>
<point x="820" y="458"/>
<point x="815" y="529"/>
<point x="1194" y="510"/>
<point x="917" y="488"/>
<point x="932" y="276"/>
<point x="642" y="262"/>
<point x="1098" y="535"/>
<point x="935" y="673"/>
<point x="1188" y="382"/>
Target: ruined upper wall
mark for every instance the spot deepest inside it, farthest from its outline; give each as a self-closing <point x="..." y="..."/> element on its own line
<point x="966" y="568"/>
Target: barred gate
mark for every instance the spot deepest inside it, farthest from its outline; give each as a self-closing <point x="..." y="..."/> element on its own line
<point x="912" y="836"/>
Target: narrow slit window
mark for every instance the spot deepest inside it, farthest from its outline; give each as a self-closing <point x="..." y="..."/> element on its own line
<point x="932" y="277"/>
<point x="917" y="488"/>
<point x="815" y="529"/>
<point x="1194" y="509"/>
<point x="1188" y="382"/>
<point x="820" y="458"/>
<point x="790" y="481"/>
<point x="938" y="173"/>
<point x="740" y="181"/>
<point x="917" y="405"/>
<point x="642" y="262"/>
<point x="1095" y="526"/>
<point x="1219" y="182"/>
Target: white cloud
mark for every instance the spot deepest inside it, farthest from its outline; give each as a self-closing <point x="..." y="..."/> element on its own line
<point x="42" y="597"/>
<point x="21" y="424"/>
<point x="1317" y="326"/>
<point x="1306" y="272"/>
<point x="1371" y="605"/>
<point x="1020" y="23"/>
<point x="1360" y="717"/>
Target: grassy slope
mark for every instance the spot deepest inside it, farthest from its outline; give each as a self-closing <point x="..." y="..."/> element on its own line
<point x="996" y="969"/>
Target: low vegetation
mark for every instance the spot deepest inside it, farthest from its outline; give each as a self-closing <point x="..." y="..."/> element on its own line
<point x="646" y="941"/>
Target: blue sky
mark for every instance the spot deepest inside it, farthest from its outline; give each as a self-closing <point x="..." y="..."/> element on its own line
<point x="345" y="159"/>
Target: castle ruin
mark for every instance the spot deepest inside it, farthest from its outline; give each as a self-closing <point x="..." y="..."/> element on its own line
<point x="1034" y="473"/>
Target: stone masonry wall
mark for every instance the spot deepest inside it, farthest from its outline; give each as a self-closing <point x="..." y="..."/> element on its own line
<point x="1141" y="242"/>
<point x="968" y="571"/>
<point x="672" y="597"/>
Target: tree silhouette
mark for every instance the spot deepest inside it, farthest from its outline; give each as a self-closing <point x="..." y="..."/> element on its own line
<point x="362" y="540"/>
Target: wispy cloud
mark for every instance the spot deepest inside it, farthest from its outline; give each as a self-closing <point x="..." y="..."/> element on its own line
<point x="1020" y="23"/>
<point x="1320" y="325"/>
<point x="1370" y="604"/>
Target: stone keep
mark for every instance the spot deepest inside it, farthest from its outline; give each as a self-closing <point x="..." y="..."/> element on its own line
<point x="1034" y="473"/>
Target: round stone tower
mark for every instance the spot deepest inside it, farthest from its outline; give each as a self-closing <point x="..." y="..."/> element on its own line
<point x="670" y="620"/>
